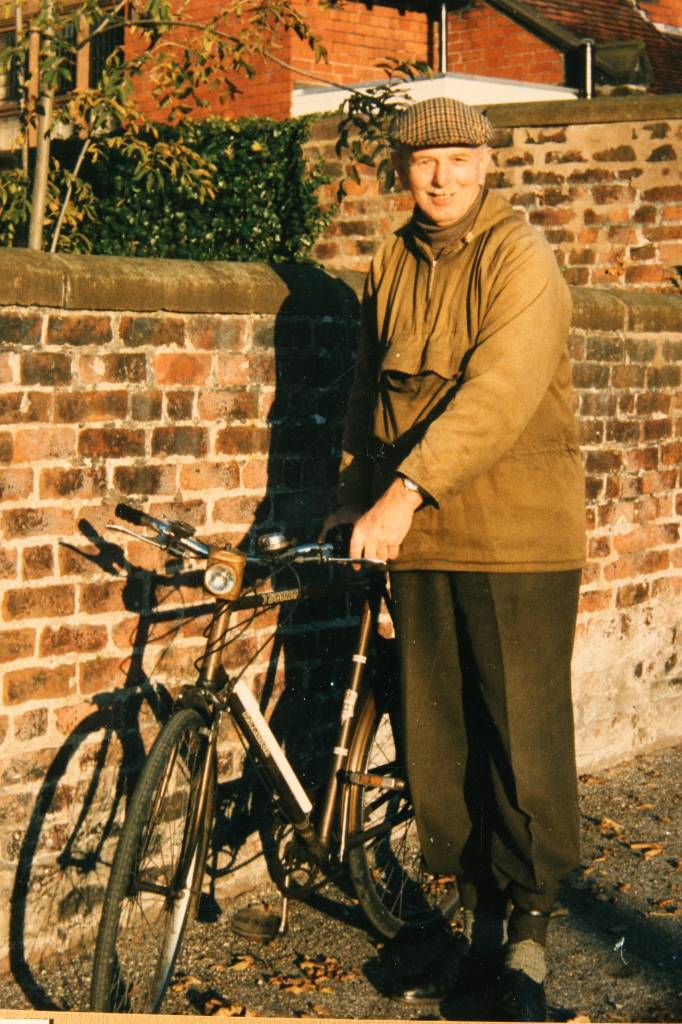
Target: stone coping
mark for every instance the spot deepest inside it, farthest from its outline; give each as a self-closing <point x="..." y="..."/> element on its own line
<point x="118" y="283"/>
<point x="548" y="113"/>
<point x="600" y="110"/>
<point x="75" y="282"/>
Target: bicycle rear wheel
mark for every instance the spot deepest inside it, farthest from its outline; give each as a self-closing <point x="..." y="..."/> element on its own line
<point x="392" y="883"/>
<point x="157" y="871"/>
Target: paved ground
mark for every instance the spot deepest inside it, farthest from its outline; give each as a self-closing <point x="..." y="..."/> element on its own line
<point x="616" y="945"/>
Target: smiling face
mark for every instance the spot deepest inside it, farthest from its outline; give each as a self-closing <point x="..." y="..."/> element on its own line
<point x="445" y="180"/>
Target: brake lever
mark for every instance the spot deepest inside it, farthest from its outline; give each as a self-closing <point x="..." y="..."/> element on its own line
<point x="165" y="544"/>
<point x="137" y="536"/>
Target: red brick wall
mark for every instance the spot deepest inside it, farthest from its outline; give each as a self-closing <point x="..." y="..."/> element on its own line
<point x="220" y="411"/>
<point x="267" y="94"/>
<point x="481" y="41"/>
<point x="668" y="12"/>
<point x="598" y="178"/>
<point x="359" y="35"/>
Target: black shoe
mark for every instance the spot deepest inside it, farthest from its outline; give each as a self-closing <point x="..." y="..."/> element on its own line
<point x="433" y="985"/>
<point x="520" y="998"/>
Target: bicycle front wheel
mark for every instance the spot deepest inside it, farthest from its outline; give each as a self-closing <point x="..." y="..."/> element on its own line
<point x="389" y="874"/>
<point x="156" y="875"/>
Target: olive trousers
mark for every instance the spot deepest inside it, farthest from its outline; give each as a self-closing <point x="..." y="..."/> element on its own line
<point x="487" y="726"/>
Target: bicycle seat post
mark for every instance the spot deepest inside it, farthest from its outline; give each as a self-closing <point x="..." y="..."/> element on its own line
<point x="349" y="702"/>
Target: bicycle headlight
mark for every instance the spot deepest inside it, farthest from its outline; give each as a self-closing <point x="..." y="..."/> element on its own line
<point x="220" y="579"/>
<point x="224" y="573"/>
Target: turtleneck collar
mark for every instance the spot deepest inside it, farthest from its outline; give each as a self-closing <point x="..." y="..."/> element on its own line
<point x="439" y="237"/>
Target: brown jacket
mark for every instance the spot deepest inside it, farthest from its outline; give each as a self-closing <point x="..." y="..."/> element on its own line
<point x="463" y="383"/>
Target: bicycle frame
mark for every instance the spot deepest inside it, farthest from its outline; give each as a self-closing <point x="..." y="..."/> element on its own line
<point x="315" y="826"/>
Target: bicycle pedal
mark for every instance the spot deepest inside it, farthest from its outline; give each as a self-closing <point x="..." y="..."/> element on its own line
<point x="256" y="922"/>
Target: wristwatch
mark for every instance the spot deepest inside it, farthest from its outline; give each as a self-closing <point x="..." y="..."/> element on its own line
<point x="412" y="486"/>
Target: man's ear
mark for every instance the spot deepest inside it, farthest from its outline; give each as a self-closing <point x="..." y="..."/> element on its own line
<point x="486" y="158"/>
<point x="399" y="160"/>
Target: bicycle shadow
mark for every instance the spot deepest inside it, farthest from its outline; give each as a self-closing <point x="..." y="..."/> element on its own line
<point x="64" y="855"/>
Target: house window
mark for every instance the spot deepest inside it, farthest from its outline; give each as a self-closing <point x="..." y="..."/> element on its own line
<point x="67" y="76"/>
<point x="101" y="48"/>
<point x="9" y="76"/>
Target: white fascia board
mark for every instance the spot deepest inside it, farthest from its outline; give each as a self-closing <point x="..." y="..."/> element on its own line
<point x="477" y="90"/>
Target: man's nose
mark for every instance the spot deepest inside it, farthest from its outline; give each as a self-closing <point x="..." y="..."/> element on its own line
<point x="441" y="174"/>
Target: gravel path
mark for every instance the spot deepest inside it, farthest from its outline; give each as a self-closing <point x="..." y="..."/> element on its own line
<point x="615" y="947"/>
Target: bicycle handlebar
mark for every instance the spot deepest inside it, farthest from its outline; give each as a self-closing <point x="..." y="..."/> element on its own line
<point x="178" y="538"/>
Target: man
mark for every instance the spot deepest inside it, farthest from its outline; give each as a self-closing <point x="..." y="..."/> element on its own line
<point x="461" y="466"/>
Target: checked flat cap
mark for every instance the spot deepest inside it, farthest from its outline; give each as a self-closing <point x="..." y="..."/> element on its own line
<point x="440" y="121"/>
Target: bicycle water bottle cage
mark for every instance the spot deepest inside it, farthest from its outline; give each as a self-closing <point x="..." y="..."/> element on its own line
<point x="224" y="573"/>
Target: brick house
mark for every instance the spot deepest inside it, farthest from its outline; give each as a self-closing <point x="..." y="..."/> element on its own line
<point x="582" y="48"/>
<point x="490" y="51"/>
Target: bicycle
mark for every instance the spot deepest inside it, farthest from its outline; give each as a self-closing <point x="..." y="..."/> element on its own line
<point x="362" y="821"/>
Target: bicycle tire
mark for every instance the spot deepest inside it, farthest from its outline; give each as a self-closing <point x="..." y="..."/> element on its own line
<point x="157" y="870"/>
<point x="394" y="887"/>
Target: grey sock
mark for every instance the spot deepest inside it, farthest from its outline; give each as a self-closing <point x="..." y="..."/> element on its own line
<point x="527" y="956"/>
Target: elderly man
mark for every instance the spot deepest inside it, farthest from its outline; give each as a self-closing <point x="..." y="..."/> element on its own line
<point x="461" y="467"/>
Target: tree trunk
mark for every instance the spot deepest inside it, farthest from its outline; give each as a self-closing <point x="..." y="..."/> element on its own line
<point x="43" y="142"/>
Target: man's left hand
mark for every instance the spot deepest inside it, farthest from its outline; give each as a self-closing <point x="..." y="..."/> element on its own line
<point x="379" y="533"/>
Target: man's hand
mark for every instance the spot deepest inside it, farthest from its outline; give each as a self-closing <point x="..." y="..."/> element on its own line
<point x="381" y="530"/>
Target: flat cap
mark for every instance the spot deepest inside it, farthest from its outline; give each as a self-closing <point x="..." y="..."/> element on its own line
<point x="440" y="121"/>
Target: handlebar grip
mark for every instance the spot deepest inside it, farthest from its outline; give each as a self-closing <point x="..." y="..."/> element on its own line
<point x="134" y="516"/>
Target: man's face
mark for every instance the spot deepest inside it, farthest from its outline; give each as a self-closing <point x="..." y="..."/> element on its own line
<point x="444" y="181"/>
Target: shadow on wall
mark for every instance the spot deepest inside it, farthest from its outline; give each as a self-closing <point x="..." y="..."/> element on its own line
<point x="63" y="858"/>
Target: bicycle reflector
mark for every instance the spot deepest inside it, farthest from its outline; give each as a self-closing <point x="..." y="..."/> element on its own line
<point x="224" y="574"/>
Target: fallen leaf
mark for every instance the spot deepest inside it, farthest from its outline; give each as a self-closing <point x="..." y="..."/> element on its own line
<point x="184" y="982"/>
<point x="609" y="825"/>
<point x="623" y="886"/>
<point x="242" y="962"/>
<point x="648" y="850"/>
<point x="231" y="1010"/>
<point x="644" y="807"/>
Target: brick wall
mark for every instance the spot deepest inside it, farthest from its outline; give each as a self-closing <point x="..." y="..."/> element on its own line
<point x="213" y="393"/>
<point x="482" y="41"/>
<point x="599" y="178"/>
<point x="666" y="12"/>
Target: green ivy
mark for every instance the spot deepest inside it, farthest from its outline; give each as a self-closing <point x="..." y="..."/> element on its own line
<point x="205" y="190"/>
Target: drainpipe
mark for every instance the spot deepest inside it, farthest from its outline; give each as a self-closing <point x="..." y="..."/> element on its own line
<point x="588" y="53"/>
<point x="443" y="38"/>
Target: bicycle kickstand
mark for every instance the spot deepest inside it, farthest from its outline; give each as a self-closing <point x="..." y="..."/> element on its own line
<point x="284" y="917"/>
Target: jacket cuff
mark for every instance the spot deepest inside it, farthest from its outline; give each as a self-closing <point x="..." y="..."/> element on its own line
<point x="412" y="468"/>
